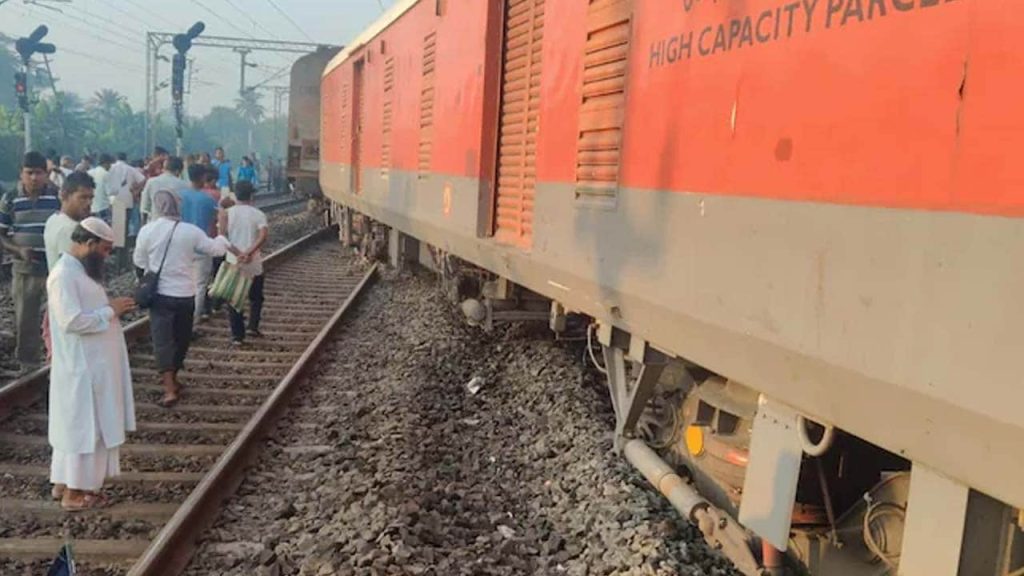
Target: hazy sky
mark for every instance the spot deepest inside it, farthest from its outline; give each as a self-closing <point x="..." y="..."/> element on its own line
<point x="100" y="43"/>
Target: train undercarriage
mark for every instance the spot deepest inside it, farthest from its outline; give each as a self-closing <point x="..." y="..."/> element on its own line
<point x="771" y="489"/>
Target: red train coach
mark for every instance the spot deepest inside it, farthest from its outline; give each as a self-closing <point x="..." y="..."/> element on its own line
<point x="795" y="219"/>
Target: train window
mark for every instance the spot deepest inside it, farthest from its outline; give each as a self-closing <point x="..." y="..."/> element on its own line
<point x="603" y="108"/>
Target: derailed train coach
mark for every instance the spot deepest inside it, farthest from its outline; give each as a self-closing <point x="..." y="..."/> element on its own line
<point x="794" y="225"/>
<point x="303" y="163"/>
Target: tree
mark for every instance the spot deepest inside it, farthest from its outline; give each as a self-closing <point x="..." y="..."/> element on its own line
<point x="8" y="66"/>
<point x="251" y="110"/>
<point x="11" y="143"/>
<point x="110" y="106"/>
<point x="60" y="122"/>
<point x="107" y="123"/>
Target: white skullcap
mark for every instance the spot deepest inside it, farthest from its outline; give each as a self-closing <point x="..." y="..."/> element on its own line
<point x="98" y="228"/>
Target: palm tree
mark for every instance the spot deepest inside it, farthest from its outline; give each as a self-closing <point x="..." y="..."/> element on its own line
<point x="109" y="105"/>
<point x="249" y="108"/>
<point x="61" y="122"/>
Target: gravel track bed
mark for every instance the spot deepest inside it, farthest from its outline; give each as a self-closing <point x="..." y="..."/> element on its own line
<point x="40" y="456"/>
<point x="198" y="352"/>
<point x="119" y="493"/>
<point x="286" y="226"/>
<point x="405" y="472"/>
<point x="38" y="428"/>
<point x="199" y="375"/>
<point x="218" y="384"/>
<point x="180" y="415"/>
<point x="149" y="463"/>
<point x="205" y="399"/>
<point x="186" y="437"/>
<point x="79" y="526"/>
<point x="18" y="568"/>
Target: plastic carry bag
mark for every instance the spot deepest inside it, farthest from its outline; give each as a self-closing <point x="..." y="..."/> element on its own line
<point x="231" y="286"/>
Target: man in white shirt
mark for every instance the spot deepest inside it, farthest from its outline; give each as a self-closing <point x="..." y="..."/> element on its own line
<point x="75" y="203"/>
<point x="124" y="182"/>
<point x="246" y="228"/>
<point x="58" y="169"/>
<point x="169" y="180"/>
<point x="91" y="405"/>
<point x="170" y="247"/>
<point x="101" y="200"/>
<point x="85" y="164"/>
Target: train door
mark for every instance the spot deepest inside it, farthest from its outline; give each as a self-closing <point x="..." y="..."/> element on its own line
<point x="358" y="122"/>
<point x="519" y="121"/>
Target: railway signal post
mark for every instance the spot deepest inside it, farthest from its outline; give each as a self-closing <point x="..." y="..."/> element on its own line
<point x="27" y="47"/>
<point x="182" y="43"/>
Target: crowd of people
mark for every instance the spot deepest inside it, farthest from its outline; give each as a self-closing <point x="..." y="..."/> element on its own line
<point x="61" y="223"/>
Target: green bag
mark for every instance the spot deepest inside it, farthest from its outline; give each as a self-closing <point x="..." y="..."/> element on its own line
<point x="231" y="286"/>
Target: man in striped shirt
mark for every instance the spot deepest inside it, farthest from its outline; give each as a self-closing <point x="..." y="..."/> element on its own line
<point x="23" y="215"/>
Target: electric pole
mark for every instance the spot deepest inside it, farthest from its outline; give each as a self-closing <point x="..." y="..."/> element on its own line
<point x="280" y="93"/>
<point x="245" y="64"/>
<point x="241" y="86"/>
<point x="26" y="47"/>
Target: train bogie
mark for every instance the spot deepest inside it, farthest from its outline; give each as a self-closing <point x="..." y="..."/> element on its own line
<point x="814" y="202"/>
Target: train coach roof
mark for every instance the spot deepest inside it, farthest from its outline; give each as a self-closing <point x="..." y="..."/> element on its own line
<point x="381" y="24"/>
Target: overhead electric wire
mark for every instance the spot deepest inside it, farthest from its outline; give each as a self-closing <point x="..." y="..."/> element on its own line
<point x="122" y="65"/>
<point x="147" y="24"/>
<point x="221" y="66"/>
<point x="218" y="16"/>
<point x="88" y="32"/>
<point x="255" y="23"/>
<point x="271" y="78"/>
<point x="92" y="20"/>
<point x="289" y="19"/>
<point x="121" y="10"/>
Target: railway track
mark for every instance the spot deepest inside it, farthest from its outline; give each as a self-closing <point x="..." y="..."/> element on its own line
<point x="278" y="202"/>
<point x="183" y="463"/>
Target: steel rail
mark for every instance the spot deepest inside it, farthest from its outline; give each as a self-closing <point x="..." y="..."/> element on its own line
<point x="282" y="205"/>
<point x="172" y="549"/>
<point x="30" y="388"/>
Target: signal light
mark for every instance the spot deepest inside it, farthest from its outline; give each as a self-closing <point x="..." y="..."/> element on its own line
<point x="178" y="77"/>
<point x="21" y="89"/>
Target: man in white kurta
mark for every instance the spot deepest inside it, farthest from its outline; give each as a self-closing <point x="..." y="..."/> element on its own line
<point x="91" y="402"/>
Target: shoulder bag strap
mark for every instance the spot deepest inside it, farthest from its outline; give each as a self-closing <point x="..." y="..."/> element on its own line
<point x="167" y="248"/>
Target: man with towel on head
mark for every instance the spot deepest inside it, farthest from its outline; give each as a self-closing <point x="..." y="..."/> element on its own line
<point x="91" y="402"/>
